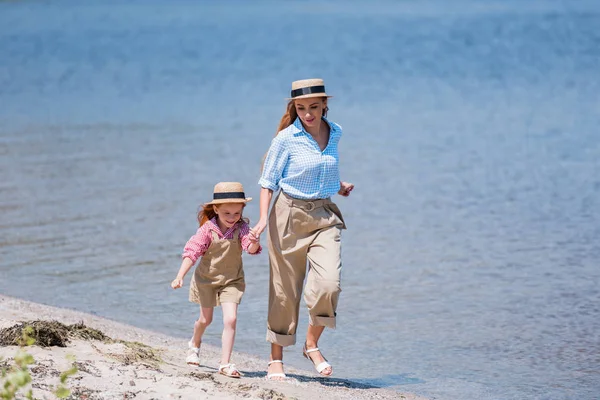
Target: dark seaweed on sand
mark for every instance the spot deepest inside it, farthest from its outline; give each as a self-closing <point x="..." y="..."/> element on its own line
<point x="49" y="333"/>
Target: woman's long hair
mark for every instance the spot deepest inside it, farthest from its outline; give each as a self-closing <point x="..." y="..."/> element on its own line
<point x="288" y="118"/>
<point x="207" y="212"/>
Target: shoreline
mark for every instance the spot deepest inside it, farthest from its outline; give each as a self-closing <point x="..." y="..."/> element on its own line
<point x="106" y="372"/>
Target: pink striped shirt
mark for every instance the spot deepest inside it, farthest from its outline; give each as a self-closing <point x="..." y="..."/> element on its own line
<point x="198" y="244"/>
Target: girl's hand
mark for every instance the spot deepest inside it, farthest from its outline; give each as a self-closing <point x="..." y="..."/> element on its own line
<point x="254" y="239"/>
<point x="254" y="244"/>
<point x="345" y="188"/>
<point x="257" y="230"/>
<point x="177" y="283"/>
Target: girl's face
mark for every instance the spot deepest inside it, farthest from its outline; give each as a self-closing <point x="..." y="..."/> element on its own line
<point x="229" y="213"/>
<point x="310" y="110"/>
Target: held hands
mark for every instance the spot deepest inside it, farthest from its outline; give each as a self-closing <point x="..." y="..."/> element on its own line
<point x="177" y="283"/>
<point x="254" y="243"/>
<point x="257" y="230"/>
<point x="345" y="188"/>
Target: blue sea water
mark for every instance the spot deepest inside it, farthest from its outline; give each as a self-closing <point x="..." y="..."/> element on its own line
<point x="471" y="131"/>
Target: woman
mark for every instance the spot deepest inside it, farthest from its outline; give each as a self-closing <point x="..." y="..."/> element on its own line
<point x="304" y="224"/>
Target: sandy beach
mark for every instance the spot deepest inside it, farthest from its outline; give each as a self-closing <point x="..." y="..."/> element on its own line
<point x="135" y="363"/>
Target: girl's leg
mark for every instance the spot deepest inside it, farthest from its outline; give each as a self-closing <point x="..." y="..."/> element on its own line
<point x="193" y="353"/>
<point x="206" y="316"/>
<point x="229" y="325"/>
<point x="313" y="333"/>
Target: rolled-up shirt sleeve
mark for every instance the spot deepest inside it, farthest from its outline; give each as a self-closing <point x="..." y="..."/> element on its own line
<point x="245" y="239"/>
<point x="275" y="163"/>
<point x="197" y="245"/>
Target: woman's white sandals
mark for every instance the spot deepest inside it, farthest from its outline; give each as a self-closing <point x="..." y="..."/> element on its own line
<point x="322" y="366"/>
<point x="276" y="374"/>
<point x="229" y="370"/>
<point x="193" y="352"/>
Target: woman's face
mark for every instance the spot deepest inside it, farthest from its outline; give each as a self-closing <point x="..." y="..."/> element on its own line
<point x="229" y="213"/>
<point x="310" y="110"/>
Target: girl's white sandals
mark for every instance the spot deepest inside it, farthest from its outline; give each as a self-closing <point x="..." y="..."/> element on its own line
<point x="229" y="370"/>
<point x="276" y="374"/>
<point x="321" y="366"/>
<point x="193" y="357"/>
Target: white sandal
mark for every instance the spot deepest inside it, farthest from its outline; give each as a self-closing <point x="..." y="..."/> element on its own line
<point x="193" y="354"/>
<point x="276" y="374"/>
<point x="319" y="367"/>
<point x="229" y="370"/>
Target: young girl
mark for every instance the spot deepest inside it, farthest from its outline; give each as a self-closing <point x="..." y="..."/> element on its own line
<point x="219" y="277"/>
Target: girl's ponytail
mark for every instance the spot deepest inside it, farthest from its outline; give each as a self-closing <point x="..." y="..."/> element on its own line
<point x="206" y="213"/>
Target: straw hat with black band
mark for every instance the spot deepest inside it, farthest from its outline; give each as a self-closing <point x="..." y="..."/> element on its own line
<point x="306" y="88"/>
<point x="229" y="192"/>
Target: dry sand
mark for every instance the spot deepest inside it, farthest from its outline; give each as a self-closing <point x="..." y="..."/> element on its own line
<point x="110" y="370"/>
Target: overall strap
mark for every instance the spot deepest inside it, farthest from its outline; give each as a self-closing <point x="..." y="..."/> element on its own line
<point x="214" y="235"/>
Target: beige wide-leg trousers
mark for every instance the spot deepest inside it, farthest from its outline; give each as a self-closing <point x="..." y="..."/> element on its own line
<point x="303" y="231"/>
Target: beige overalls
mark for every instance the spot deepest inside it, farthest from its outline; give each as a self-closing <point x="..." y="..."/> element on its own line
<point x="219" y="276"/>
<point x="301" y="231"/>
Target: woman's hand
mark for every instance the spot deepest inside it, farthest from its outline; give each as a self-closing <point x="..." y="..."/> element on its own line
<point x="257" y="230"/>
<point x="253" y="239"/>
<point x="265" y="200"/>
<point x="177" y="283"/>
<point x="345" y="188"/>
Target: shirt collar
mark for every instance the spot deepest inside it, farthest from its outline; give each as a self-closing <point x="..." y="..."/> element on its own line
<point x="214" y="226"/>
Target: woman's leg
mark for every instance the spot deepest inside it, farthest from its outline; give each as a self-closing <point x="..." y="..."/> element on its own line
<point x="287" y="264"/>
<point x="322" y="288"/>
<point x="276" y="354"/>
<point x="229" y="325"/>
<point x="313" y="333"/>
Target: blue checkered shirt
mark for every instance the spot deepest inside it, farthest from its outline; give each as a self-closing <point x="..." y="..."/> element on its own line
<point x="296" y="164"/>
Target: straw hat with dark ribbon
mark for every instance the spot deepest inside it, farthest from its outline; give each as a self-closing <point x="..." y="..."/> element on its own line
<point x="308" y="88"/>
<point x="229" y="192"/>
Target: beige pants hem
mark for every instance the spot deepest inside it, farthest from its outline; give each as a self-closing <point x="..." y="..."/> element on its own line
<point x="328" y="322"/>
<point x="281" y="340"/>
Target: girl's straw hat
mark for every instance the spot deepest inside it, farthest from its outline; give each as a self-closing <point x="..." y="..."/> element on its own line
<point x="308" y="88"/>
<point x="229" y="192"/>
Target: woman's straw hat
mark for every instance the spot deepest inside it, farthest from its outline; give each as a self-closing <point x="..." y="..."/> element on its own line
<point x="229" y="192"/>
<point x="308" y="88"/>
